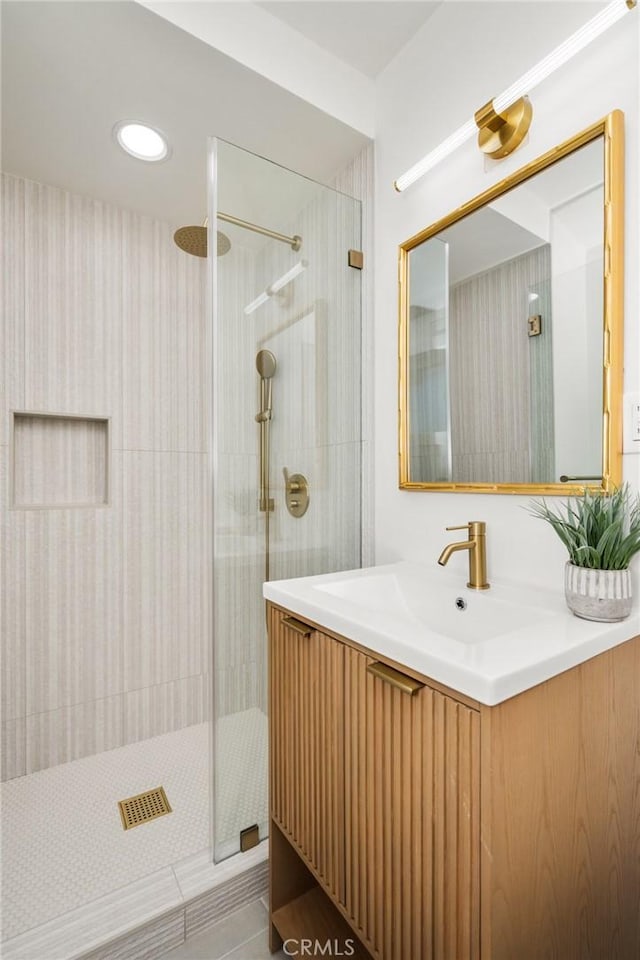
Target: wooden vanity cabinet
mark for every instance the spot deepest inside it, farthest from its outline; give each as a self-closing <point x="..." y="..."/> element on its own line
<point x="427" y="826"/>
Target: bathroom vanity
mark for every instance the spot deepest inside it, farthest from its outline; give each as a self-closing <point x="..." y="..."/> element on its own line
<point x="414" y="820"/>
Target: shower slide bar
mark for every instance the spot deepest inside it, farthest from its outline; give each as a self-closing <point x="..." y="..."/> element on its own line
<point x="266" y="367"/>
<point x="294" y="242"/>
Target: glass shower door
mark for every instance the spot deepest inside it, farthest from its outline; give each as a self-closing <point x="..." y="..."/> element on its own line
<point x="286" y="405"/>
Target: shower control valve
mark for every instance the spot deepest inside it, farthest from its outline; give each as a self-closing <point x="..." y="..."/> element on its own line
<point x="296" y="493"/>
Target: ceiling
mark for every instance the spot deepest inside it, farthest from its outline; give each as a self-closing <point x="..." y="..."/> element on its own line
<point x="70" y="71"/>
<point x="365" y="35"/>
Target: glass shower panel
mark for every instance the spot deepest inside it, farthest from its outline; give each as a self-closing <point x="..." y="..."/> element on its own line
<point x="287" y="397"/>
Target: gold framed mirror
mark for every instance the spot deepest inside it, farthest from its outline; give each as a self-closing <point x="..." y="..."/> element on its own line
<point x="511" y="330"/>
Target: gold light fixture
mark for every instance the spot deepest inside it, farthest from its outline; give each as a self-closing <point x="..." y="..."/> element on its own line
<point x="503" y="122"/>
<point x="502" y="133"/>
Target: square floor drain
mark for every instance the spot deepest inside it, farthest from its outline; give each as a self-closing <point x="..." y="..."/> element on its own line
<point x="144" y="807"/>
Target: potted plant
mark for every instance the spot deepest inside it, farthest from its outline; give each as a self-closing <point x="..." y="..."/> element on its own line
<point x="601" y="532"/>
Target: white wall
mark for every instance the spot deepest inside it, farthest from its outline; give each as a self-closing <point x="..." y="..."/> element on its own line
<point x="576" y="310"/>
<point x="254" y="37"/>
<point x="428" y="90"/>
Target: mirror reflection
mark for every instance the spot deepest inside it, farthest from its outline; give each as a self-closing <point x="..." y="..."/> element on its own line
<point x="505" y="335"/>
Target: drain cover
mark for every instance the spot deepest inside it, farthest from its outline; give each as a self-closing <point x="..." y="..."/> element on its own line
<point x="144" y="807"/>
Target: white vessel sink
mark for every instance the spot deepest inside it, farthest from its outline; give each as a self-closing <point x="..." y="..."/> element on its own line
<point x="488" y="644"/>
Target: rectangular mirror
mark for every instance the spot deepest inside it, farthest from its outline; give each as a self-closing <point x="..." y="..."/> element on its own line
<point x="511" y="320"/>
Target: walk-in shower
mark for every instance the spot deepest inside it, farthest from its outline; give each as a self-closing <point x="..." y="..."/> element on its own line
<point x="156" y="486"/>
<point x="132" y="476"/>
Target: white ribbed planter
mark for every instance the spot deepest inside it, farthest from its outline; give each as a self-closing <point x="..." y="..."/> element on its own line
<point x="603" y="595"/>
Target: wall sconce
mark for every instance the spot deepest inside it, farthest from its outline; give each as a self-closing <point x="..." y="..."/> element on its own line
<point x="502" y="123"/>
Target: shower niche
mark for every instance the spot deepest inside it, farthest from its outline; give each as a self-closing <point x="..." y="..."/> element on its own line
<point x="59" y="460"/>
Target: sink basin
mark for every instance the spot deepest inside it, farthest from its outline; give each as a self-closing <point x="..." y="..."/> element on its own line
<point x="468" y="616"/>
<point x="488" y="644"/>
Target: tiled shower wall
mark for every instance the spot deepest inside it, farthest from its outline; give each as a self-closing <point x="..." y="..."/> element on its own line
<point x="490" y="365"/>
<point x="105" y="630"/>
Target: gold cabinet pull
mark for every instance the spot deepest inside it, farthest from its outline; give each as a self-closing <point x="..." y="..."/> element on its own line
<point x="395" y="678"/>
<point x="298" y="626"/>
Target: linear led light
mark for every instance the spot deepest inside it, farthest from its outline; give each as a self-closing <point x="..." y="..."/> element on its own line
<point x="500" y="132"/>
<point x="276" y="286"/>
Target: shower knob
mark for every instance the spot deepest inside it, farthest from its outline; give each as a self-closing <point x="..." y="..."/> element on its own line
<point x="296" y="493"/>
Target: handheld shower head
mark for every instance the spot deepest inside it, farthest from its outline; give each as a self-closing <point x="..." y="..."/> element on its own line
<point x="265" y="364"/>
<point x="266" y="367"/>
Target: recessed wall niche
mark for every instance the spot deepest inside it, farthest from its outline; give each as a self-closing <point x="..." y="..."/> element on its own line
<point x="60" y="460"/>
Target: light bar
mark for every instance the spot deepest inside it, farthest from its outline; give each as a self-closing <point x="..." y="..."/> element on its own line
<point x="447" y="146"/>
<point x="613" y="12"/>
<point x="578" y="41"/>
<point x="276" y="286"/>
<point x="256" y="303"/>
<point x="287" y="277"/>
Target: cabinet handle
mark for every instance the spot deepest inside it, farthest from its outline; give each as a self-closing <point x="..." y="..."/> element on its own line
<point x="298" y="626"/>
<point x="395" y="678"/>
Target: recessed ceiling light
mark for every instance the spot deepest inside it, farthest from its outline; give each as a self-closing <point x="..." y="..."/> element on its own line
<point x="141" y="141"/>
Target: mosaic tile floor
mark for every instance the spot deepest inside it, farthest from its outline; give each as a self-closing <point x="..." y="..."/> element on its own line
<point x="62" y="839"/>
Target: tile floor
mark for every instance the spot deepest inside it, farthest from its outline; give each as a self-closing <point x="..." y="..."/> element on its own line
<point x="63" y="845"/>
<point x="240" y="936"/>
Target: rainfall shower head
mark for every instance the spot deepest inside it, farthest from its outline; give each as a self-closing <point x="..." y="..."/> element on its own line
<point x="265" y="364"/>
<point x="193" y="240"/>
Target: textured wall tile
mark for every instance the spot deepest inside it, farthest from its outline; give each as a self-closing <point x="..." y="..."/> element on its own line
<point x="73" y="312"/>
<point x="12" y="299"/>
<point x="490" y="371"/>
<point x="240" y="687"/>
<point x="153" y="711"/>
<point x="235" y="380"/>
<point x="74" y="732"/>
<point x="13" y="652"/>
<point x="164" y="356"/>
<point x="14" y="749"/>
<point x="166" y="589"/>
<point x="94" y="271"/>
<point x="74" y="586"/>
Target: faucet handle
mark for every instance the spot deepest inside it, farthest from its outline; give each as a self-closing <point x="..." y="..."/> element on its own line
<point x="476" y="528"/>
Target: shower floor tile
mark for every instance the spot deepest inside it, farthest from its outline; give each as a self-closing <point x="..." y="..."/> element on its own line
<point x="62" y="839"/>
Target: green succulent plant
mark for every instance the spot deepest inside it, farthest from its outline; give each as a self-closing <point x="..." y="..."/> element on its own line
<point x="600" y="530"/>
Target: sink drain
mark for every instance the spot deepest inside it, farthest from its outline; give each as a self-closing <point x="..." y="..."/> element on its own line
<point x="461" y="603"/>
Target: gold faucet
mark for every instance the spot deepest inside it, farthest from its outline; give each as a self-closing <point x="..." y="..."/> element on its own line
<point x="476" y="545"/>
